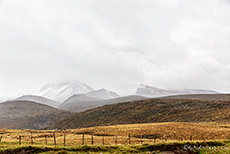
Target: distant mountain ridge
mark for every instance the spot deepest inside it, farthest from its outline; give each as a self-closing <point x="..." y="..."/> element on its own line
<point x="148" y="91"/>
<point x="78" y="105"/>
<point x="92" y="99"/>
<point x="100" y="94"/>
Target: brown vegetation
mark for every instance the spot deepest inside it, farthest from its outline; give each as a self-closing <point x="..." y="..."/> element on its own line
<point x="149" y="111"/>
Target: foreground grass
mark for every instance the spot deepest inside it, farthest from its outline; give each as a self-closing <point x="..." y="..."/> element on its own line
<point x="182" y="147"/>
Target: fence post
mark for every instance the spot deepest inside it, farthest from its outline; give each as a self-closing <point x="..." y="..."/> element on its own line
<point x="116" y="140"/>
<point x="54" y="139"/>
<point x="46" y="139"/>
<point x="154" y="140"/>
<point x="203" y="138"/>
<point x="0" y="139"/>
<point x="92" y="140"/>
<point x="64" y="140"/>
<point x="141" y="139"/>
<point x="103" y="140"/>
<point x="129" y="139"/>
<point x="190" y="138"/>
<point x="165" y="138"/>
<point x="83" y="139"/>
<point x="20" y="139"/>
<point x="32" y="141"/>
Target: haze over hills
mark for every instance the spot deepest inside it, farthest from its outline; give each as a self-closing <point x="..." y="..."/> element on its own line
<point x="78" y="96"/>
<point x="78" y="105"/>
<point x="29" y="115"/>
<point x="39" y="99"/>
<point x="101" y="94"/>
<point x="94" y="95"/>
<point x="62" y="91"/>
<point x="214" y="97"/>
<point x="150" y="111"/>
<point x="148" y="91"/>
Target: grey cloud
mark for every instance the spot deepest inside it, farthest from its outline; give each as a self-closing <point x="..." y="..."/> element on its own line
<point x="115" y="44"/>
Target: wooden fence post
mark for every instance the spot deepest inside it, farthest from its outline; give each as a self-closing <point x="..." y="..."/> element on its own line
<point x="154" y="140"/>
<point x="55" y="143"/>
<point x="46" y="139"/>
<point x="129" y="139"/>
<point x="92" y="140"/>
<point x="203" y="138"/>
<point x="20" y="140"/>
<point x="116" y="140"/>
<point x="141" y="139"/>
<point x="64" y="139"/>
<point x="103" y="140"/>
<point x="165" y="138"/>
<point x="83" y="139"/>
<point x="0" y="139"/>
<point x="190" y="138"/>
<point x="32" y="141"/>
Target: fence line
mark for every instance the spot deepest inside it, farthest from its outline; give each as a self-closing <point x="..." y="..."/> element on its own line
<point x="62" y="139"/>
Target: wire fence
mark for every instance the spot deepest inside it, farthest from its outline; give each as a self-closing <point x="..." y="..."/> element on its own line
<point x="70" y="139"/>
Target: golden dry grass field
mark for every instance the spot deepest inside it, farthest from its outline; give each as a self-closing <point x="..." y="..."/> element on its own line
<point x="119" y="134"/>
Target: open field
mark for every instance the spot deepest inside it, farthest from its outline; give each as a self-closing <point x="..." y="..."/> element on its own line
<point x="122" y="137"/>
<point x="123" y="134"/>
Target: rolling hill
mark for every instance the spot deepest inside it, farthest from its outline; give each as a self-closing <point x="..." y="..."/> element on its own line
<point x="39" y="99"/>
<point x="150" y="111"/>
<point x="28" y="115"/>
<point x="83" y="103"/>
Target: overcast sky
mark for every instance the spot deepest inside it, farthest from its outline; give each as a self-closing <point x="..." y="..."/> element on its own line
<point x="115" y="44"/>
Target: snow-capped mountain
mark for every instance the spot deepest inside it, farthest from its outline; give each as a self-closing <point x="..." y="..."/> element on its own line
<point x="39" y="99"/>
<point x="62" y="91"/>
<point x="148" y="91"/>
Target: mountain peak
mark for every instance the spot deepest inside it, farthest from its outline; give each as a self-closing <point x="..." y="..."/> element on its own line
<point x="63" y="90"/>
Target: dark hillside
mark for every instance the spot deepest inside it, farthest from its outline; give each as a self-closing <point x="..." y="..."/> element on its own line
<point x="150" y="111"/>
